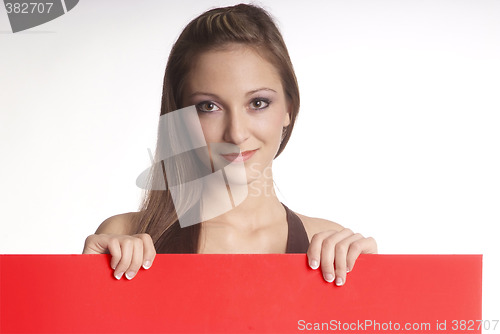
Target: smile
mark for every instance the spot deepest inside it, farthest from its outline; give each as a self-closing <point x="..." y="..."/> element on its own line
<point x="239" y="157"/>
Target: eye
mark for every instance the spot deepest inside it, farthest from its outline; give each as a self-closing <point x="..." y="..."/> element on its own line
<point x="207" y="107"/>
<point x="259" y="103"/>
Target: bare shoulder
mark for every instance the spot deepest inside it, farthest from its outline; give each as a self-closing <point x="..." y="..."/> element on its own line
<point x="317" y="225"/>
<point x="118" y="224"/>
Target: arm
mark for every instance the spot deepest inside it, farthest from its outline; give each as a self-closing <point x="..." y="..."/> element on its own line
<point x="128" y="252"/>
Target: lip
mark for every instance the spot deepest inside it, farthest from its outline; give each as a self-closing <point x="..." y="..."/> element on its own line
<point x="239" y="157"/>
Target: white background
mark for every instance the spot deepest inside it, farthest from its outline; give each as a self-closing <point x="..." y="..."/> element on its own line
<point x="398" y="134"/>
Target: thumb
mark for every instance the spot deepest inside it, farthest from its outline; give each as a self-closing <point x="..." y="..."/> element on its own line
<point x="96" y="244"/>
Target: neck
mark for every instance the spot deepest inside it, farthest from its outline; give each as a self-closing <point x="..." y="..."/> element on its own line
<point x="260" y="206"/>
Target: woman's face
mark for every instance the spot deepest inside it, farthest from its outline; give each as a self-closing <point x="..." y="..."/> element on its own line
<point x="241" y="103"/>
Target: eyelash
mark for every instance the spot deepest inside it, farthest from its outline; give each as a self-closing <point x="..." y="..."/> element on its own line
<point x="261" y="99"/>
<point x="200" y="105"/>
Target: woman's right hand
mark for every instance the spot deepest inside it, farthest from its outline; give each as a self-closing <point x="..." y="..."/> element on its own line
<point x="128" y="252"/>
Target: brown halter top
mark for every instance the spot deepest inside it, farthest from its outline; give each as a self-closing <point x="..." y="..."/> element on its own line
<point x="297" y="241"/>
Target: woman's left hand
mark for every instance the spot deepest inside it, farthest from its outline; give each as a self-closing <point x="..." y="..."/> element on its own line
<point x="336" y="252"/>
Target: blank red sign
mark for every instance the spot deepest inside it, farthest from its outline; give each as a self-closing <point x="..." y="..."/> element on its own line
<point x="275" y="293"/>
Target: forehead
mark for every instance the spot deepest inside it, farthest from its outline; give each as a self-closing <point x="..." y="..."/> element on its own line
<point x="235" y="68"/>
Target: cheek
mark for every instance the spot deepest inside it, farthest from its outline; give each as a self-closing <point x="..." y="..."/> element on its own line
<point x="210" y="130"/>
<point x="271" y="128"/>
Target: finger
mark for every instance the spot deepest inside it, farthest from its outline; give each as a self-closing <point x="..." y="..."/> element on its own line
<point x="95" y="244"/>
<point x="127" y="250"/>
<point x="328" y="253"/>
<point x="149" y="251"/>
<point x="137" y="259"/>
<point x="314" y="250"/>
<point x="341" y="251"/>
<point x="89" y="247"/>
<point x="101" y="244"/>
<point x="361" y="246"/>
<point x="115" y="251"/>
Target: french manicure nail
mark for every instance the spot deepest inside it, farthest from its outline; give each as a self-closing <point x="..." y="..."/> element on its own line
<point x="119" y="275"/>
<point x="314" y="264"/>
<point x="328" y="278"/>
<point x="130" y="275"/>
<point x="339" y="281"/>
<point x="147" y="264"/>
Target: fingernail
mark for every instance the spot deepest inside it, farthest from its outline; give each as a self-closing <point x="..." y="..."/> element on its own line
<point x="147" y="264"/>
<point x="119" y="275"/>
<point x="314" y="264"/>
<point x="328" y="278"/>
<point x="130" y="275"/>
<point x="339" y="281"/>
<point x="347" y="270"/>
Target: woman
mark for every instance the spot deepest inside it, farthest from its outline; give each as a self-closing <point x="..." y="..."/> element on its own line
<point x="232" y="65"/>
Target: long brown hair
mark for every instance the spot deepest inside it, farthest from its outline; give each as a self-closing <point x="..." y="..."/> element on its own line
<point x="214" y="29"/>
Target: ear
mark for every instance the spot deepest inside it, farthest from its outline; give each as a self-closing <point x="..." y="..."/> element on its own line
<point x="286" y="119"/>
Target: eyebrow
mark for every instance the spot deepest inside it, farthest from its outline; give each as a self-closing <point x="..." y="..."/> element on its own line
<point x="258" y="90"/>
<point x="247" y="94"/>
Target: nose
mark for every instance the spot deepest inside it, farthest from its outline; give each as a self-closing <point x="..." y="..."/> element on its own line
<point x="236" y="127"/>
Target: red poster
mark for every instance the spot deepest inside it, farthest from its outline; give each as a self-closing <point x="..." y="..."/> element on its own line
<point x="240" y="294"/>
